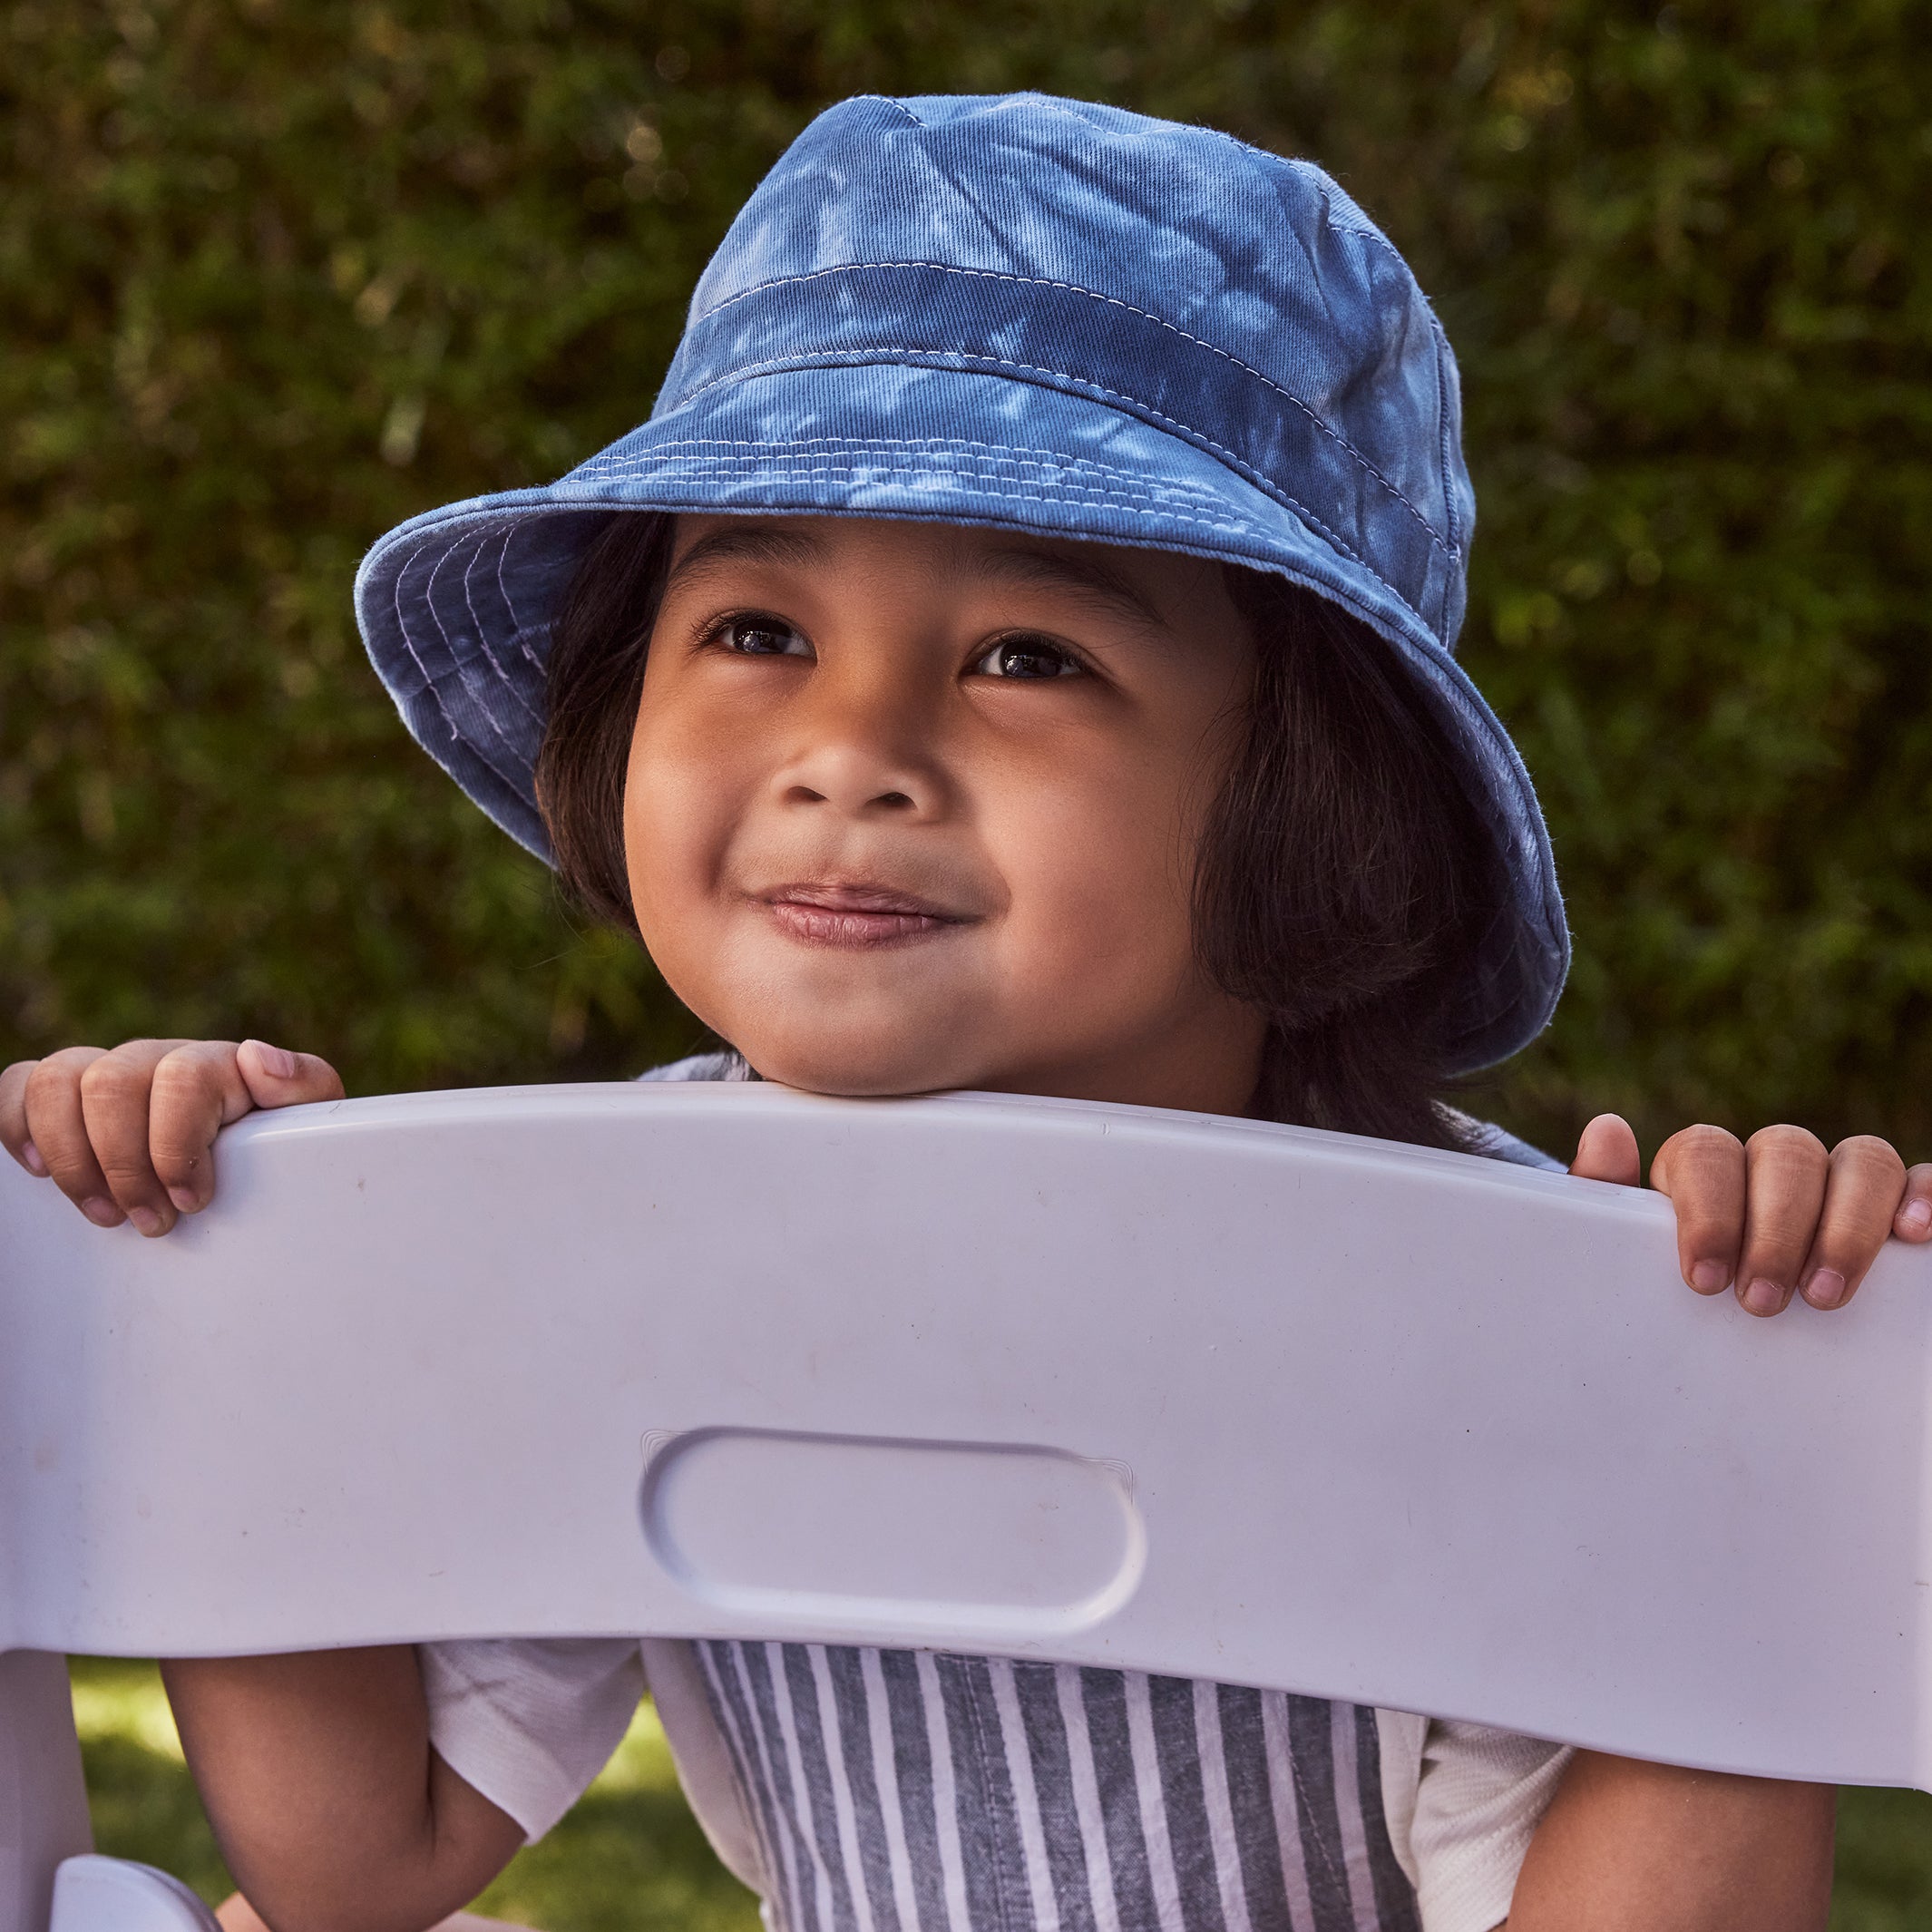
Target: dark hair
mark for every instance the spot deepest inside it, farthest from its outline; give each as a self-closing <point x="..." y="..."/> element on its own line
<point x="1344" y="878"/>
<point x="593" y="683"/>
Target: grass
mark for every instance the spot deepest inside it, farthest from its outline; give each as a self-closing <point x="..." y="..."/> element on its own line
<point x="631" y="1855"/>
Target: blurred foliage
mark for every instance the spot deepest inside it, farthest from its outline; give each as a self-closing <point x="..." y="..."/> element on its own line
<point x="276" y="274"/>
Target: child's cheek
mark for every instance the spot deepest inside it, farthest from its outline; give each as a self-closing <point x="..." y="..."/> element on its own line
<point x="1100" y="900"/>
<point x="677" y="821"/>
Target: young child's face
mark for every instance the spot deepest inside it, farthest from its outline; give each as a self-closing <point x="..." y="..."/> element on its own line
<point x="914" y="805"/>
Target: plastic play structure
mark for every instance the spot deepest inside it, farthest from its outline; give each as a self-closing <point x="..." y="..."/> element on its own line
<point x="1023" y="1377"/>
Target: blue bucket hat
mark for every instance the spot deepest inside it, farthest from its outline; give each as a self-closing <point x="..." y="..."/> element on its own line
<point x="1043" y="315"/>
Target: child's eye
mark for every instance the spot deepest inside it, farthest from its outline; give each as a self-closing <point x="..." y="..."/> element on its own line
<point x="762" y="636"/>
<point x="1029" y="657"/>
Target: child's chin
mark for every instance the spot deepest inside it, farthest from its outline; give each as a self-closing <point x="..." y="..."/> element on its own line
<point x="860" y="1069"/>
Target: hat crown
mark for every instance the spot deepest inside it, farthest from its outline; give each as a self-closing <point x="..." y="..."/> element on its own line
<point x="1218" y="292"/>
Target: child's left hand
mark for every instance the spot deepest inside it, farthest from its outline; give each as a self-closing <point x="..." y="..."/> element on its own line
<point x="1774" y="1213"/>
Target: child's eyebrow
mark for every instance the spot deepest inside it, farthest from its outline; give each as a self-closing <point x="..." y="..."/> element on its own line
<point x="747" y="543"/>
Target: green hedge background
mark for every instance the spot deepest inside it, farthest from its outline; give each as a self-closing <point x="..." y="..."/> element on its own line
<point x="277" y="273"/>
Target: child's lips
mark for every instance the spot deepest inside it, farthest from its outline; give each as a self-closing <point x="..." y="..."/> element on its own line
<point x="855" y="917"/>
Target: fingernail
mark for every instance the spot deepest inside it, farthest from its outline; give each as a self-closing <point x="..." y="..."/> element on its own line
<point x="276" y="1060"/>
<point x="100" y="1211"/>
<point x="183" y="1199"/>
<point x="30" y="1154"/>
<point x="1763" y="1297"/>
<point x="1708" y="1276"/>
<point x="1914" y="1218"/>
<point x="145" y="1219"/>
<point x="1826" y="1288"/>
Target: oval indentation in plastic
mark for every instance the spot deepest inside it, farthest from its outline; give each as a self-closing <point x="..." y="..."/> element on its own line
<point x="906" y="1535"/>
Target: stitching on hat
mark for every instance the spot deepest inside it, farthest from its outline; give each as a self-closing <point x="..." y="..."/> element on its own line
<point x="768" y="458"/>
<point x="519" y="630"/>
<point x="1125" y="485"/>
<point x="505" y="525"/>
<point x="1006" y="496"/>
<point x="1101" y="480"/>
<point x="482" y="630"/>
<point x="431" y="684"/>
<point x="965" y="480"/>
<point x="1055" y="459"/>
<point x="1018" y="454"/>
<point x="1120" y="487"/>
<point x="982" y="487"/>
<point x="1092" y="295"/>
<point x="409" y="642"/>
<point x="1235" y="462"/>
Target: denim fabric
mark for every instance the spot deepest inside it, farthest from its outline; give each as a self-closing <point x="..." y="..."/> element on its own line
<point x="1045" y="315"/>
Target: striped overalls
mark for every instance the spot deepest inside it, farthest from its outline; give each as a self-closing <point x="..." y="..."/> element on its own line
<point x="905" y="1791"/>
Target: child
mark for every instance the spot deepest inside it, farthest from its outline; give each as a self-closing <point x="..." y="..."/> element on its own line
<point x="1015" y="655"/>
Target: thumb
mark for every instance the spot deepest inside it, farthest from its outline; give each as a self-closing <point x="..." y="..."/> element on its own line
<point x="1606" y="1150"/>
<point x="278" y="1078"/>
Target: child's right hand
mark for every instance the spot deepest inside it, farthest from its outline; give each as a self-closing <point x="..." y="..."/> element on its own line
<point x="128" y="1135"/>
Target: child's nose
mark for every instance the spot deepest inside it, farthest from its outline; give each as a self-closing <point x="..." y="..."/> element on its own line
<point x="860" y="778"/>
<point x="856" y="799"/>
<point x="866" y="752"/>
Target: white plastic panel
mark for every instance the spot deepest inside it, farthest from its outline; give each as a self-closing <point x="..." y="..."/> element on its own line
<point x="93" y="1894"/>
<point x="1094" y="1383"/>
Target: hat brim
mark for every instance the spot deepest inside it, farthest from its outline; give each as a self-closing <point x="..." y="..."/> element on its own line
<point x="455" y="605"/>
